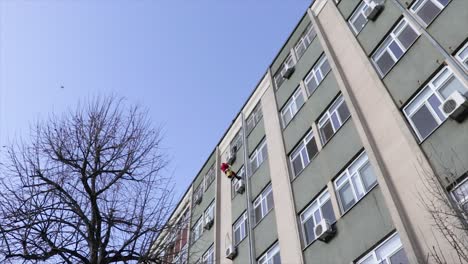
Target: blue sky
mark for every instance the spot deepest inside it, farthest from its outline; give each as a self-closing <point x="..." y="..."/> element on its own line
<point x="192" y="64"/>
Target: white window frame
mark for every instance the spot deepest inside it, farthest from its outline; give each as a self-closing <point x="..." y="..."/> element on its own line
<point x="416" y="6"/>
<point x="267" y="257"/>
<point x="348" y="175"/>
<point x="258" y="157"/>
<point x="197" y="230"/>
<point x="278" y="77"/>
<point x="332" y="110"/>
<point x="241" y="225"/>
<point x="209" y="255"/>
<point x="309" y="213"/>
<point x="209" y="177"/>
<point x="302" y="152"/>
<point x="464" y="201"/>
<point x="462" y="56"/>
<point x="262" y="201"/>
<point x="316" y="74"/>
<point x="422" y="97"/>
<point x="292" y="106"/>
<point x="360" y="10"/>
<point x="209" y="211"/>
<point x="305" y="40"/>
<point x="373" y="256"/>
<point x="393" y="37"/>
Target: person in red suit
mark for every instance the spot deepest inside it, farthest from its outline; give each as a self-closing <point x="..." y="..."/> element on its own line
<point x="226" y="168"/>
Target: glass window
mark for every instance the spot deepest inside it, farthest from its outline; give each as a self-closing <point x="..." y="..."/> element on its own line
<point x="292" y="106"/>
<point x="239" y="229"/>
<point x="240" y="173"/>
<point x="258" y="156"/>
<point x="304" y="42"/>
<point x="317" y="74"/>
<point x="319" y="208"/>
<point x="354" y="182"/>
<point x="423" y="111"/>
<point x="209" y="177"/>
<point x="208" y="257"/>
<point x="236" y="143"/>
<point x="198" y="192"/>
<point x="389" y="251"/>
<point x="460" y="194"/>
<point x="358" y="19"/>
<point x="197" y="230"/>
<point x="394" y="46"/>
<point x="462" y="56"/>
<point x="278" y="77"/>
<point x="253" y="118"/>
<point x="333" y="119"/>
<point x="263" y="204"/>
<point x="272" y="256"/>
<point x="427" y="10"/>
<point x="209" y="212"/>
<point x="303" y="153"/>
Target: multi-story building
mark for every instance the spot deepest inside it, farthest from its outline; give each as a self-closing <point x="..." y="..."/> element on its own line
<point x="336" y="140"/>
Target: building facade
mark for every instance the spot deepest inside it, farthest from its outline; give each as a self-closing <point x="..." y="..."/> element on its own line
<point x="335" y="144"/>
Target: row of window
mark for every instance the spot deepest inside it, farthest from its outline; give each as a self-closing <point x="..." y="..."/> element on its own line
<point x="328" y="124"/>
<point x="299" y="49"/>
<point x="311" y="81"/>
<point x="198" y="227"/>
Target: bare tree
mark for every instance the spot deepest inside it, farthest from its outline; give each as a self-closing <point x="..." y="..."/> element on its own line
<point x="87" y="188"/>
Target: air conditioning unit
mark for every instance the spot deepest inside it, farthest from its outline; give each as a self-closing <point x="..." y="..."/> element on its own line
<point x="240" y="186"/>
<point x="289" y="71"/>
<point x="231" y="252"/>
<point x="232" y="156"/>
<point x="198" y="198"/>
<point x="455" y="106"/>
<point x="324" y="231"/>
<point x="374" y="10"/>
<point x="208" y="222"/>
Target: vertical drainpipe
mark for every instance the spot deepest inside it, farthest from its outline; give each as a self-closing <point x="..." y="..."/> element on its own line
<point x="248" y="198"/>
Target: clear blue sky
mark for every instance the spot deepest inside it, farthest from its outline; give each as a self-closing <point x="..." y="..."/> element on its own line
<point x="192" y="63"/>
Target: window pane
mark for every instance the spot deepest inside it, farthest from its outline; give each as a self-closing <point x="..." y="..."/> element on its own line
<point x="325" y="68"/>
<point x="276" y="259"/>
<point x="360" y="22"/>
<point x="343" y="112"/>
<point x="311" y="85"/>
<point x="385" y="62"/>
<point x="326" y="132"/>
<point x="309" y="230"/>
<point x="346" y="196"/>
<point x="461" y="192"/>
<point x="399" y="257"/>
<point x="357" y="186"/>
<point x="424" y="122"/>
<point x="428" y="12"/>
<point x="435" y="103"/>
<point x="299" y="101"/>
<point x="367" y="176"/>
<point x="407" y="36"/>
<point x="327" y="211"/>
<point x="258" y="213"/>
<point x="311" y="148"/>
<point x="237" y="236"/>
<point x="287" y="116"/>
<point x="270" y="203"/>
<point x="335" y="121"/>
<point x="297" y="165"/>
<point x="452" y="85"/>
<point x="396" y="50"/>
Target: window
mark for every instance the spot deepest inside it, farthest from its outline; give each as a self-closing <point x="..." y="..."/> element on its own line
<point x="197" y="230"/>
<point x="240" y="173"/>
<point x="198" y="192"/>
<point x="358" y="19"/>
<point x="254" y="118"/>
<point x="236" y="143"/>
<point x="423" y="111"/>
<point x="240" y="229"/>
<point x="460" y="194"/>
<point x="272" y="256"/>
<point x="208" y="257"/>
<point x="263" y="204"/>
<point x="319" y="209"/>
<point x="427" y="10"/>
<point x="209" y="212"/>
<point x="258" y="156"/>
<point x="394" y="46"/>
<point x="354" y="182"/>
<point x="292" y="107"/>
<point x="304" y="42"/>
<point x="317" y="74"/>
<point x="462" y="56"/>
<point x="303" y="153"/>
<point x="389" y="252"/>
<point x="278" y="78"/>
<point x="333" y="119"/>
<point x="209" y="177"/>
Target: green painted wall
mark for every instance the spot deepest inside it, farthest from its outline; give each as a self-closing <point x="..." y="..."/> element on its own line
<point x="238" y="206"/>
<point x="310" y="111"/>
<point x="346" y="7"/>
<point x="447" y="149"/>
<point x="412" y="70"/>
<point x="255" y="136"/>
<point x="242" y="252"/>
<point x="375" y="31"/>
<point x="357" y="231"/>
<point x="290" y="44"/>
<point x="260" y="179"/>
<point x="450" y="27"/>
<point x="302" y="67"/>
<point x="265" y="233"/>
<point x="344" y="145"/>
